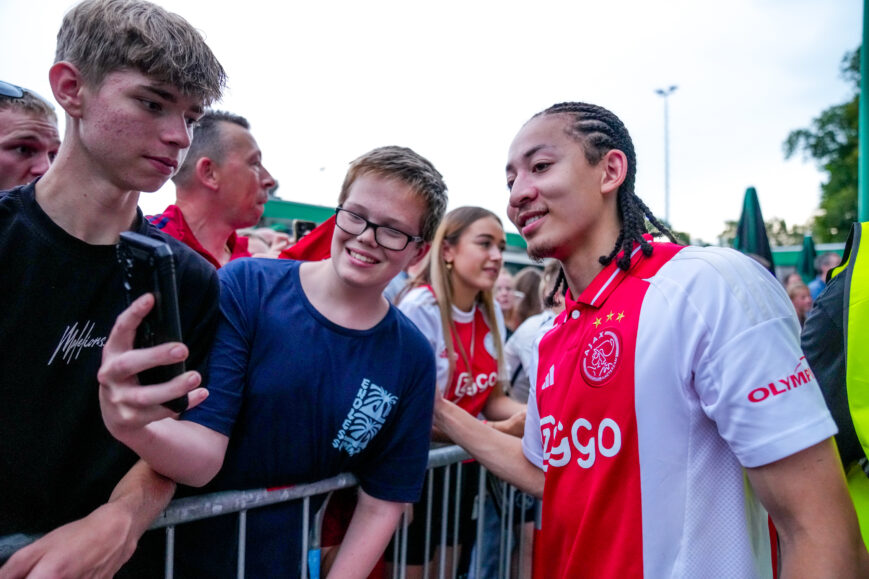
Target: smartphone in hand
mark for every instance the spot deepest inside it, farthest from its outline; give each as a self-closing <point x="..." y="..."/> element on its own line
<point x="148" y="266"/>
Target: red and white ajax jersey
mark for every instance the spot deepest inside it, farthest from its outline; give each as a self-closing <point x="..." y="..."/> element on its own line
<point x="653" y="390"/>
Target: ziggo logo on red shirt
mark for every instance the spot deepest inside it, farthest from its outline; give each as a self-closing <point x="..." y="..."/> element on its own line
<point x="467" y="387"/>
<point x="607" y="443"/>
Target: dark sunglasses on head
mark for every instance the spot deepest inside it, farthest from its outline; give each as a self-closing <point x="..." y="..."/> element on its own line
<point x="10" y="90"/>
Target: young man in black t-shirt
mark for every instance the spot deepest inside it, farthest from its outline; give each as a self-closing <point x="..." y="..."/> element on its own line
<point x="130" y="108"/>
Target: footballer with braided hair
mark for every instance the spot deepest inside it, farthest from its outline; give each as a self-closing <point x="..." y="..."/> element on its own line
<point x="599" y="131"/>
<point x="670" y="407"/>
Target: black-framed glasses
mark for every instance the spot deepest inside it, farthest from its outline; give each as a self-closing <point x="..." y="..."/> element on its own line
<point x="10" y="90"/>
<point x="386" y="237"/>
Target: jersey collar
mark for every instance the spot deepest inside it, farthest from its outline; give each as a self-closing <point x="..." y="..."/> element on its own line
<point x="603" y="284"/>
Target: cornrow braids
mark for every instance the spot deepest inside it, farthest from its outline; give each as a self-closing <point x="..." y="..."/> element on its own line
<point x="599" y="131"/>
<point x="559" y="285"/>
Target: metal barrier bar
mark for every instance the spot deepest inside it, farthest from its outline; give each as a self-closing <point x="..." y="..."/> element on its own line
<point x="11" y="543"/>
<point x="456" y="523"/>
<point x="242" y="542"/>
<point x="481" y="518"/>
<point x="509" y="494"/>
<point x="191" y="509"/>
<point x="306" y="513"/>
<point x="403" y="545"/>
<point x="428" y="509"/>
<point x="169" y="568"/>
<point x="445" y="505"/>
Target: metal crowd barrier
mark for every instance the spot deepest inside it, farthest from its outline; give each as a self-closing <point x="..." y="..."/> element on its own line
<point x="189" y="509"/>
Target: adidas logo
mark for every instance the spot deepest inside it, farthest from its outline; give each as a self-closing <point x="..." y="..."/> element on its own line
<point x="550" y="378"/>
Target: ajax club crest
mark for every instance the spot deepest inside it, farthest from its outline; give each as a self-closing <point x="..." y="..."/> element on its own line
<point x="600" y="356"/>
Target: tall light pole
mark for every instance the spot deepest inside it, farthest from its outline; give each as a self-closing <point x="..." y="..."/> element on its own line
<point x="665" y="93"/>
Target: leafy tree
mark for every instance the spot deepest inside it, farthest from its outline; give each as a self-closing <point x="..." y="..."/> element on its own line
<point x="832" y="140"/>
<point x="780" y="234"/>
<point x="776" y="229"/>
<point x="682" y="237"/>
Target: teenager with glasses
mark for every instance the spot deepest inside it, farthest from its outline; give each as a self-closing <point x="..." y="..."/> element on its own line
<point x="29" y="139"/>
<point x="313" y="373"/>
<point x="387" y="237"/>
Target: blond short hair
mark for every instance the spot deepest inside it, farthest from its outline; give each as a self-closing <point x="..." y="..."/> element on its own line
<point x="409" y="167"/>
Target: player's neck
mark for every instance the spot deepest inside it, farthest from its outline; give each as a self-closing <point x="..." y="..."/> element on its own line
<point x="84" y="205"/>
<point x="583" y="264"/>
<point x="355" y="308"/>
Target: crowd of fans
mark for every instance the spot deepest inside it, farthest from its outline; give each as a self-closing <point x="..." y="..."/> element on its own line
<point x="673" y="420"/>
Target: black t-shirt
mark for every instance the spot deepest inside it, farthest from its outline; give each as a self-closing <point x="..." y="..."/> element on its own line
<point x="60" y="298"/>
<point x="823" y="341"/>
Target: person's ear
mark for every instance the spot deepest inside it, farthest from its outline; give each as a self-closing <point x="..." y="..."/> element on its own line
<point x="614" y="170"/>
<point x="206" y="173"/>
<point x="67" y="85"/>
<point x="419" y="254"/>
<point x="448" y="252"/>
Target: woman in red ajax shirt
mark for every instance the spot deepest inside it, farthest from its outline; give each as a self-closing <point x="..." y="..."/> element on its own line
<point x="451" y="302"/>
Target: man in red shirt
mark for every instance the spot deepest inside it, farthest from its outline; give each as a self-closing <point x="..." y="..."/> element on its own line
<point x="222" y="186"/>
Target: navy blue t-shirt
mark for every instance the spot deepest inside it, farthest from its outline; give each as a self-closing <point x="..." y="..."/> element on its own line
<point x="303" y="399"/>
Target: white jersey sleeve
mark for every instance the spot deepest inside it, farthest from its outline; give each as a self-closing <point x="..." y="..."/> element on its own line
<point x="523" y="343"/>
<point x="532" y="443"/>
<point x="421" y="307"/>
<point x="733" y="332"/>
<point x="511" y="357"/>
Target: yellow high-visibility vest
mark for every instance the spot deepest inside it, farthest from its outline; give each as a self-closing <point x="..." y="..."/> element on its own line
<point x="855" y="267"/>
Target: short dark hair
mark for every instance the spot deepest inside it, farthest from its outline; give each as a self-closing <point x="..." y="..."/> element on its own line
<point x="207" y="142"/>
<point x="599" y="131"/>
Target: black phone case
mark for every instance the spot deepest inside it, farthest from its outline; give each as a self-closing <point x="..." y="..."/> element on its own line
<point x="149" y="266"/>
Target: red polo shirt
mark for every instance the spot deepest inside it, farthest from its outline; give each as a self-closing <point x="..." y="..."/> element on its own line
<point x="172" y="222"/>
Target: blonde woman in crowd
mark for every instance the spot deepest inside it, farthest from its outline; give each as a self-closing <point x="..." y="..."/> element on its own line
<point x="451" y="302"/>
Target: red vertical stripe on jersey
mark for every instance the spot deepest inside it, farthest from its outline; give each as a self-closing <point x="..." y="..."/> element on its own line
<point x="582" y="424"/>
<point x="592" y="502"/>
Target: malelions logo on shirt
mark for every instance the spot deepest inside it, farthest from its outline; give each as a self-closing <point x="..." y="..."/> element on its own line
<point x="588" y="441"/>
<point x="801" y="375"/>
<point x="600" y="357"/>
<point x="365" y="419"/>
<point x="74" y="340"/>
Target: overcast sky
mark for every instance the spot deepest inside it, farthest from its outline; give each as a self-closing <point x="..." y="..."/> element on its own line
<point x="323" y="82"/>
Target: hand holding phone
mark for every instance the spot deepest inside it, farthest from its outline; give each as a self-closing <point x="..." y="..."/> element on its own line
<point x="149" y="266"/>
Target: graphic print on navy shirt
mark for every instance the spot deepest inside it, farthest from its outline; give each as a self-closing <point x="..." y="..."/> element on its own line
<point x="365" y="419"/>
